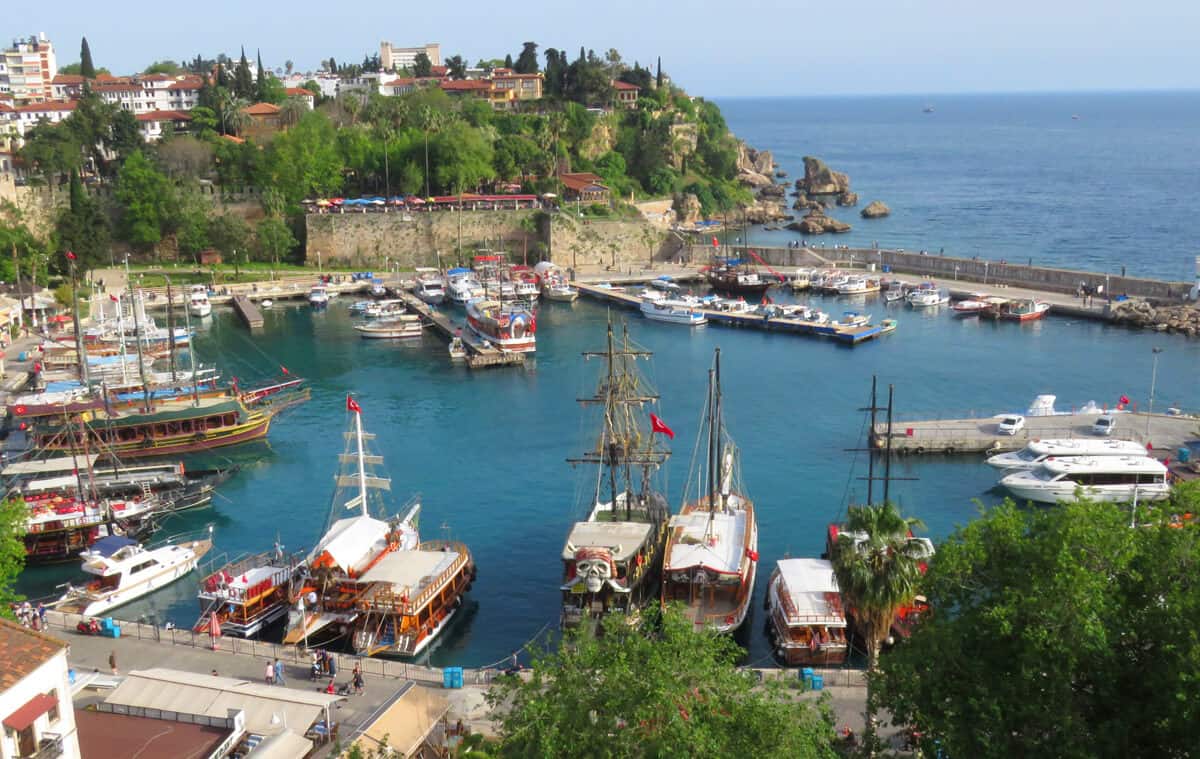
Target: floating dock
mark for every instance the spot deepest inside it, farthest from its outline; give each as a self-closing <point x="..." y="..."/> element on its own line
<point x="248" y="312"/>
<point x="479" y="355"/>
<point x="846" y="335"/>
<point x="974" y="436"/>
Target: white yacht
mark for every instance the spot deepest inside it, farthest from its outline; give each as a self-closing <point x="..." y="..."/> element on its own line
<point x="894" y="293"/>
<point x="318" y="296"/>
<point x="858" y="286"/>
<point x="462" y="285"/>
<point x="384" y="309"/>
<point x="198" y="304"/>
<point x="674" y="311"/>
<point x="924" y="297"/>
<point x="1032" y="455"/>
<point x="1101" y="478"/>
<point x="430" y="286"/>
<point x="125" y="571"/>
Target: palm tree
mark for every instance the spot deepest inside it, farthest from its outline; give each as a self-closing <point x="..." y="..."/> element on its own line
<point x="877" y="564"/>
<point x="291" y="111"/>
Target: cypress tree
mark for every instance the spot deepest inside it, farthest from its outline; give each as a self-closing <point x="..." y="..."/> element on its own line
<point x="658" y="82"/>
<point x="86" y="67"/>
<point x="260" y="89"/>
<point x="508" y="62"/>
<point x="243" y="80"/>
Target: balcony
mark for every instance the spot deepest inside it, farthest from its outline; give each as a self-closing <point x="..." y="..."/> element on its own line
<point x="49" y="747"/>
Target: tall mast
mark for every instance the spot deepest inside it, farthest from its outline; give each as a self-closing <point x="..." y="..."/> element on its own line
<point x="121" y="334"/>
<point x="870" y="453"/>
<point x="362" y="467"/>
<point x="79" y="352"/>
<point x="887" y="454"/>
<point x="187" y="320"/>
<point x="609" y="432"/>
<point x="716" y="422"/>
<point x="171" y="327"/>
<point x="137" y="336"/>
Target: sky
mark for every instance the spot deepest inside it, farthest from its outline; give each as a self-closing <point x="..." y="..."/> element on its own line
<point x="716" y="49"/>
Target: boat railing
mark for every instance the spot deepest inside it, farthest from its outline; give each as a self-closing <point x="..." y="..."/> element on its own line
<point x="390" y="600"/>
<point x="794" y="617"/>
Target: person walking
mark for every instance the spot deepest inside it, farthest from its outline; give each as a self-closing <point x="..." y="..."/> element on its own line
<point x="279" y="673"/>
<point x="112" y="662"/>
<point x="269" y="675"/>
<point x="357" y="680"/>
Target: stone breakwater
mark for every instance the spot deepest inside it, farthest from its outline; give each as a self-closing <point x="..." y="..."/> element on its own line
<point x="1181" y="319"/>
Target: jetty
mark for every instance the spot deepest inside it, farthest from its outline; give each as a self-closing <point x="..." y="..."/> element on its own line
<point x="1163" y="432"/>
<point x="249" y="313"/>
<point x="479" y="354"/>
<point x="842" y="334"/>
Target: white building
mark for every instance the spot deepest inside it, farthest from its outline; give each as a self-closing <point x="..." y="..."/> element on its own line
<point x="35" y="700"/>
<point x="150" y="92"/>
<point x="52" y="111"/>
<point x="27" y="69"/>
<point x="392" y="58"/>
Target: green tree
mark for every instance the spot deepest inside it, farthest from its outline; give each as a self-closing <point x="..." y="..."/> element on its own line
<point x="1057" y="632"/>
<point x="124" y="137"/>
<point x="86" y="68"/>
<point x="304" y="161"/>
<point x="165" y="66"/>
<point x="193" y="225"/>
<point x="51" y="150"/>
<point x="81" y="227"/>
<point x="274" y="239"/>
<point x="229" y="234"/>
<point x="147" y="202"/>
<point x="13" y="512"/>
<point x="878" y="566"/>
<point x="527" y="61"/>
<point x="204" y="122"/>
<point x="461" y="158"/>
<point x="243" y="79"/>
<point x="456" y="67"/>
<point x="658" y="77"/>
<point x="660" y="688"/>
<point x="422" y="66"/>
<point x="508" y="61"/>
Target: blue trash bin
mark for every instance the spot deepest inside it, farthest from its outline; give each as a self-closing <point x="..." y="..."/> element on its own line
<point x="22" y="356"/>
<point x="1183" y="455"/>
<point x="818" y="682"/>
<point x="452" y="677"/>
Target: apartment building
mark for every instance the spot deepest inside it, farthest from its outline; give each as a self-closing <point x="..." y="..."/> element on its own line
<point x="27" y="69"/>
<point x="392" y="58"/>
<point x="150" y="92"/>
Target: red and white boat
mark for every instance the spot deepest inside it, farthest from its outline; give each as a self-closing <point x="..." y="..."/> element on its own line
<point x="1018" y="310"/>
<point x="969" y="307"/>
<point x="509" y="326"/>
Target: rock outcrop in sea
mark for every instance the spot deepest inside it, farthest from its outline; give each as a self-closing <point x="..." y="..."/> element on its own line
<point x="754" y="167"/>
<point x="817" y="223"/>
<point x="847" y="198"/>
<point x="819" y="179"/>
<point x="876" y="209"/>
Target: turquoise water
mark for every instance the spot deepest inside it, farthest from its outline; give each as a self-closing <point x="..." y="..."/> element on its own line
<point x="486" y="449"/>
<point x="1003" y="176"/>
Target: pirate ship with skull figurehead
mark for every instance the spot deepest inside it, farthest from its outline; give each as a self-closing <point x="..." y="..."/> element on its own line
<point x="612" y="561"/>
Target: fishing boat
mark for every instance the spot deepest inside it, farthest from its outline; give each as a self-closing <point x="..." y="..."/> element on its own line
<point x="559" y="291"/>
<point x="396" y="327"/>
<point x="462" y="286"/>
<point x="1099" y="478"/>
<point x="1038" y="451"/>
<point x="359" y="306"/>
<point x="58" y="528"/>
<point x="612" y="560"/>
<point x="377" y="290"/>
<point x="807" y="623"/>
<point x="733" y="276"/>
<point x="429" y="286"/>
<point x="969" y="307"/>
<point x="372" y="580"/>
<point x="385" y="309"/>
<point x="926" y="296"/>
<point x="887" y="326"/>
<point x="198" y="304"/>
<point x="801" y="280"/>
<point x="525" y="283"/>
<point x="509" y="326"/>
<point x="457" y="349"/>
<point x="712" y="543"/>
<point x="1022" y="310"/>
<point x="318" y="296"/>
<point x="859" y="286"/>
<point x="894" y="293"/>
<point x="243" y="596"/>
<point x="125" y="572"/>
<point x="851" y="319"/>
<point x="672" y="311"/>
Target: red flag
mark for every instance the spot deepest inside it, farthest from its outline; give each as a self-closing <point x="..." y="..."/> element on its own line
<point x="1125" y="399"/>
<point x="352" y="405"/>
<point x="716" y="244"/>
<point x="70" y="255"/>
<point x="658" y="425"/>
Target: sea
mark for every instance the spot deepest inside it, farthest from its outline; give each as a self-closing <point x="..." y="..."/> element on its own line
<point x="486" y="451"/>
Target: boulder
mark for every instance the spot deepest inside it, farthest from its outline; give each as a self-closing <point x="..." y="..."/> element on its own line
<point x="876" y="209"/>
<point x="773" y="191"/>
<point x="687" y="208"/>
<point x="764" y="212"/>
<point x="847" y="198"/>
<point x="754" y="179"/>
<point x="805" y="203"/>
<point x="819" y="179"/>
<point x="817" y="223"/>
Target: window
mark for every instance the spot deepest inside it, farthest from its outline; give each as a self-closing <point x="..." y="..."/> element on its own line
<point x="52" y="715"/>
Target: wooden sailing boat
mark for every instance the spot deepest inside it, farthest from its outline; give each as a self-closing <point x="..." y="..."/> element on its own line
<point x="612" y="560"/>
<point x="712" y="544"/>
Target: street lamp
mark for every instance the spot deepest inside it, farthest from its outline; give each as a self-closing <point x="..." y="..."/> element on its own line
<point x="1153" y="381"/>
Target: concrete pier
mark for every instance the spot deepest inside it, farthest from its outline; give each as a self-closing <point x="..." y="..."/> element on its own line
<point x="248" y="312"/>
<point x="479" y="356"/>
<point x="1163" y="432"/>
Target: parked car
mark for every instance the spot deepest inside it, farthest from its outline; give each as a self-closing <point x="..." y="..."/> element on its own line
<point x="1104" y="425"/>
<point x="1011" y="424"/>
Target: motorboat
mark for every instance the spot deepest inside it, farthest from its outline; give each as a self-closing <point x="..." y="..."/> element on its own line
<point x="559" y="291"/>
<point x="858" y="286"/>
<point x="378" y="290"/>
<point x="525" y="284"/>
<point x="673" y="311"/>
<point x="1100" y="478"/>
<point x="807" y="623"/>
<point x="125" y="572"/>
<point x="712" y="543"/>
<point x="1038" y="451"/>
<point x="359" y="306"/>
<point x="926" y="296"/>
<point x="853" y="319"/>
<point x="969" y="307"/>
<point x="385" y="309"/>
<point x="266" y="303"/>
<point x="887" y="326"/>
<point x="430" y="287"/>
<point x="510" y="327"/>
<point x="665" y="283"/>
<point x="1021" y="310"/>
<point x="246" y="594"/>
<point x="462" y="285"/>
<point x="318" y="296"/>
<point x="801" y="280"/>
<point x="391" y="328"/>
<point x="198" y="304"/>
<point x="457" y="349"/>
<point x="894" y="293"/>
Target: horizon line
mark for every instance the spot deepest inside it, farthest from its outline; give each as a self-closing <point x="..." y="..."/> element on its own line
<point x="961" y="93"/>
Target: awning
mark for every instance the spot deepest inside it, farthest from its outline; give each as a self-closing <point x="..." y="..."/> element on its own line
<point x="27" y="714"/>
<point x="286" y="745"/>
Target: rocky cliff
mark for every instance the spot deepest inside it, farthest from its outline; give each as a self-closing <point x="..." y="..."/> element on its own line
<point x="754" y="166"/>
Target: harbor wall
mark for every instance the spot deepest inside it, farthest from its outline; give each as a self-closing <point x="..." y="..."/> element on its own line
<point x="371" y="240"/>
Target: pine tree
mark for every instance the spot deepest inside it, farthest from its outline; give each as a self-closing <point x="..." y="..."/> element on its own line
<point x="243" y="80"/>
<point x="86" y="68"/>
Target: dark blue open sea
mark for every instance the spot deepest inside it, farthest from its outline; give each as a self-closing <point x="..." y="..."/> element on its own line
<point x="486" y="450"/>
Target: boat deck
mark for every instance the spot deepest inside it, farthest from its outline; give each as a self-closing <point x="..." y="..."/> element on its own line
<point x="842" y="334"/>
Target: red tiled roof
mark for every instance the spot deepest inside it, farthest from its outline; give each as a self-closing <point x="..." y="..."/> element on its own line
<point x="401" y="82"/>
<point x="24" y="651"/>
<point x="6" y="108"/>
<point x="47" y="106"/>
<point x="261" y="109"/>
<point x="581" y="181"/>
<point x="298" y="91"/>
<point x="156" y="77"/>
<point x="502" y="71"/>
<point x="189" y="82"/>
<point x="619" y="85"/>
<point x="102" y="735"/>
<point x="116" y="86"/>
<point x="466" y="85"/>
<point x="67" y="79"/>
<point x="164" y="116"/>
<point x="439" y="70"/>
<point x="518" y="76"/>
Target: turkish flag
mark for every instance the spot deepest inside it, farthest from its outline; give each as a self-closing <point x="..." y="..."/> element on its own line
<point x="352" y="405"/>
<point x="658" y="425"/>
<point x="70" y="255"/>
<point x="284" y="368"/>
<point x="1125" y="400"/>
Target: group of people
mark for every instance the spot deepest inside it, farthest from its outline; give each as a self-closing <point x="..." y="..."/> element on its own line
<point x="33" y="617"/>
